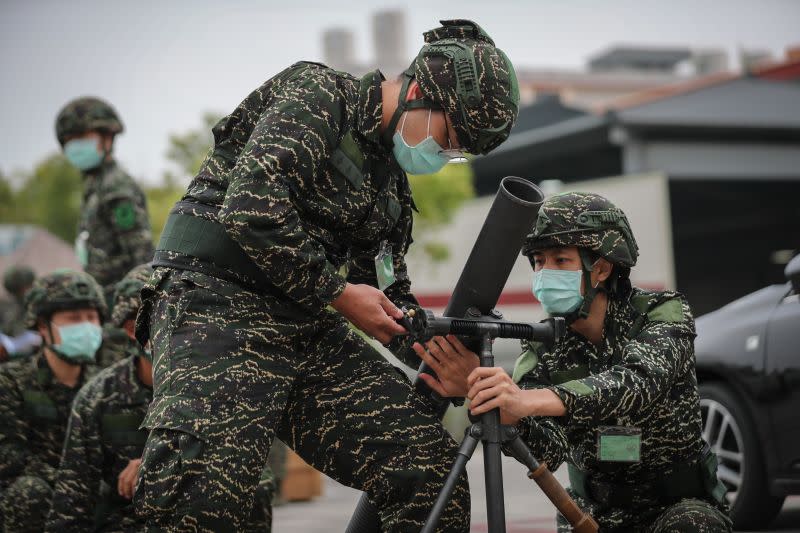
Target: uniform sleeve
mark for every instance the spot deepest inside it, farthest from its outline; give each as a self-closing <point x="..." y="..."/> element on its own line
<point x="291" y="142"/>
<point x="14" y="453"/>
<point x="79" y="474"/>
<point x="663" y="350"/>
<point x="362" y="270"/>
<point x="126" y="213"/>
<point x="543" y="435"/>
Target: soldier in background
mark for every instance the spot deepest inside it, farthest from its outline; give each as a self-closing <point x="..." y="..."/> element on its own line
<point x="66" y="308"/>
<point x="306" y="177"/>
<point x="617" y="397"/>
<point x="15" y="339"/>
<point x="114" y="228"/>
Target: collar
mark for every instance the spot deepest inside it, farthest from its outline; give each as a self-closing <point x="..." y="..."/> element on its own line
<point x="369" y="112"/>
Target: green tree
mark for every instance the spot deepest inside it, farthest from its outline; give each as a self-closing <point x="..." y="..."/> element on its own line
<point x="49" y="197"/>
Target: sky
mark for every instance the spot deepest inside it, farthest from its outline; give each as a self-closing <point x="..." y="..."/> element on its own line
<point x="162" y="64"/>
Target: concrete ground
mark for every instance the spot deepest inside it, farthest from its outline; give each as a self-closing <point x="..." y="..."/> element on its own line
<point x="527" y="510"/>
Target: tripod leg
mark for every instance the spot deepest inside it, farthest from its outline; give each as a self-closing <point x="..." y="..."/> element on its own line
<point x="465" y="451"/>
<point x="493" y="473"/>
<point x="580" y="521"/>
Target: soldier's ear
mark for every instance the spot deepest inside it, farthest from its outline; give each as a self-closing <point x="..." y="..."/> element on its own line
<point x="414" y="92"/>
<point x="603" y="269"/>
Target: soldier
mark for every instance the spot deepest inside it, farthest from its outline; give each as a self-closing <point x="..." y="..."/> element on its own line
<point x="103" y="448"/>
<point x="66" y="308"/>
<point x="114" y="229"/>
<point x="617" y="397"/>
<point x="15" y="339"/>
<point x="306" y="177"/>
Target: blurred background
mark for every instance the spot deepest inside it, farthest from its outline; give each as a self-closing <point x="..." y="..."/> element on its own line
<point x="686" y="114"/>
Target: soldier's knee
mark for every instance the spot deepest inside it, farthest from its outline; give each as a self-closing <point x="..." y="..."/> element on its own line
<point x="692" y="516"/>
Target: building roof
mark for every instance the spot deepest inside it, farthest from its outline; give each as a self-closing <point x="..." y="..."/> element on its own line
<point x="634" y="57"/>
<point x="545" y="110"/>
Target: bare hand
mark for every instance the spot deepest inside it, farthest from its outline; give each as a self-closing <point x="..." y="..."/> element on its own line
<point x="370" y="311"/>
<point x="492" y="388"/>
<point x="126" y="483"/>
<point x="451" y="361"/>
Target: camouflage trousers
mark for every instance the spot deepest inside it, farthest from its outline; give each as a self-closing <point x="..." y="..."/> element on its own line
<point x="689" y="515"/>
<point x="24" y="505"/>
<point x="231" y="370"/>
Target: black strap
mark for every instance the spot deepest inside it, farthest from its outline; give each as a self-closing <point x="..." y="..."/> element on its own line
<point x="688" y="480"/>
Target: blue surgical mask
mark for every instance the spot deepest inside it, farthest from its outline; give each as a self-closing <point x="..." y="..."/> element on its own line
<point x="423" y="158"/>
<point x="79" y="342"/>
<point x="83" y="153"/>
<point x="559" y="291"/>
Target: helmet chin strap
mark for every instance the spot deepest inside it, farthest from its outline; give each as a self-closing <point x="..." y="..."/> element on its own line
<point x="404" y="105"/>
<point x="590" y="293"/>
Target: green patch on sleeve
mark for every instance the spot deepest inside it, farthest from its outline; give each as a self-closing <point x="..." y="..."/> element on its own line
<point x="577" y="387"/>
<point x="670" y="311"/>
<point x="124" y="215"/>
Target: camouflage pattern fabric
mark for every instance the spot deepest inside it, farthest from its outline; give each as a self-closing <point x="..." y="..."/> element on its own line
<point x="34" y="409"/>
<point x="232" y="370"/>
<point x="641" y="376"/>
<point x="117" y="345"/>
<point x="102" y="437"/>
<point x="126" y="294"/>
<point x="63" y="289"/>
<point x="114" y="229"/>
<point x="86" y="114"/>
<point x="482" y="110"/>
<point x="585" y="220"/>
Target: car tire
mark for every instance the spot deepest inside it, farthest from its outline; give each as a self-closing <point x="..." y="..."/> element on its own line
<point x="733" y="437"/>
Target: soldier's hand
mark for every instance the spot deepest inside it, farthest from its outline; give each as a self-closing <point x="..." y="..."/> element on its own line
<point x="370" y="311"/>
<point x="492" y="388"/>
<point x="451" y="361"/>
<point x="126" y="483"/>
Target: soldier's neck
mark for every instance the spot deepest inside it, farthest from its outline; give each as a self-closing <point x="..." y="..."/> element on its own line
<point x="592" y="326"/>
<point x="65" y="373"/>
<point x="390" y="90"/>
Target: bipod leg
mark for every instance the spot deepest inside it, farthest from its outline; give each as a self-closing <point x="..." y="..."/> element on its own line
<point x="465" y="452"/>
<point x="580" y="521"/>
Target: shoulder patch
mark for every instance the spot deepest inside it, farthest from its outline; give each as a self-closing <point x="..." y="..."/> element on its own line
<point x="670" y="311"/>
<point x="576" y="387"/>
<point x="124" y="215"/>
<point x="526" y="362"/>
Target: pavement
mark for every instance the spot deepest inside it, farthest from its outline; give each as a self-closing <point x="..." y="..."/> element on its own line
<point x="527" y="509"/>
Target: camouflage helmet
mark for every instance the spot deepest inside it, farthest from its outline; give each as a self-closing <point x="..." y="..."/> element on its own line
<point x="86" y="114"/>
<point x="588" y="221"/>
<point x="126" y="294"/>
<point x="61" y="290"/>
<point x="17" y="278"/>
<point x="460" y="71"/>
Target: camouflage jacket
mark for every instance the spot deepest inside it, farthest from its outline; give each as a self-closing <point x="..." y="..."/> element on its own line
<point x="641" y="376"/>
<point x="301" y="182"/>
<point x="102" y="437"/>
<point x="12" y="317"/>
<point x="114" y="229"/>
<point x="34" y="409"/>
<point x="117" y="345"/>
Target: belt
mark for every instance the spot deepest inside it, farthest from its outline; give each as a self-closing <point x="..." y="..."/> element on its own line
<point x="696" y="479"/>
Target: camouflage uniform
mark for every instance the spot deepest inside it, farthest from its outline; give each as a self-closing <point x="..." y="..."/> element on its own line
<point x="34" y="408"/>
<point x="12" y="312"/>
<point x="114" y="229"/>
<point x="299" y="184"/>
<point x="640" y="378"/>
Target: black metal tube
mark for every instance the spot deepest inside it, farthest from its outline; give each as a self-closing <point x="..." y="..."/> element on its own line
<point x="492" y="458"/>
<point x="465" y="451"/>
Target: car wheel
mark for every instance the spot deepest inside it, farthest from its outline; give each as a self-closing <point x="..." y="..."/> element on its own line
<point x="732" y="436"/>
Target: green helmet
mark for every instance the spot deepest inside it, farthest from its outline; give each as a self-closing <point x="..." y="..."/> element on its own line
<point x="17" y="278"/>
<point x="460" y="71"/>
<point x="86" y="114"/>
<point x="61" y="290"/>
<point x="587" y="221"/>
<point x="126" y="294"/>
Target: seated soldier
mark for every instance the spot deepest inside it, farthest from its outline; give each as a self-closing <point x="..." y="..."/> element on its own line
<point x="617" y="397"/>
<point x="66" y="308"/>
